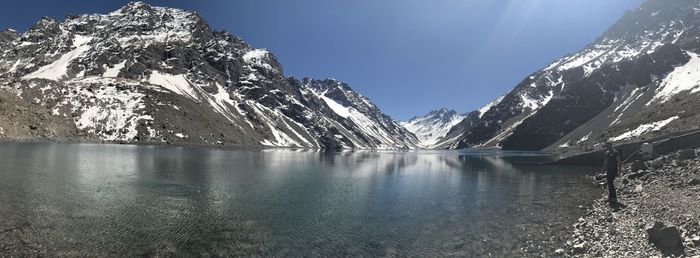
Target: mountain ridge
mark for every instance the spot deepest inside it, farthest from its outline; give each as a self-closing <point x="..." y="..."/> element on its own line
<point x="621" y="82"/>
<point x="145" y="74"/>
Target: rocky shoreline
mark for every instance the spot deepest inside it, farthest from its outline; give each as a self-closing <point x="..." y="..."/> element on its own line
<point x="658" y="214"/>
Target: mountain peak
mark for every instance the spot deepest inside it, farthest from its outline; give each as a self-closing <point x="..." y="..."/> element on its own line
<point x="622" y="74"/>
<point x="154" y="15"/>
<point x="46" y="22"/>
<point x="137" y="4"/>
<point x="154" y="74"/>
<point x="8" y="35"/>
<point x="135" y="7"/>
<point x="653" y="15"/>
<point x="442" y="112"/>
<point x="432" y="127"/>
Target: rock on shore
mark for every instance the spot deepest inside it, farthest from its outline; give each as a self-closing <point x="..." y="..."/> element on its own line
<point x="658" y="214"/>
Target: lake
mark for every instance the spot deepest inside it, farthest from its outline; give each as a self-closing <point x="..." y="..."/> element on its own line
<point x="120" y="200"/>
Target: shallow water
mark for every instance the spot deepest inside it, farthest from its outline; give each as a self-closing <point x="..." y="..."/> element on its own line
<point x="78" y="199"/>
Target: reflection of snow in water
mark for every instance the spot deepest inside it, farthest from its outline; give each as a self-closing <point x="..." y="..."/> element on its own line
<point x="425" y="203"/>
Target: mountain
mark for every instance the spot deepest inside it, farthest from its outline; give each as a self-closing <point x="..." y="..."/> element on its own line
<point x="455" y="135"/>
<point x="638" y="80"/>
<point x="145" y="74"/>
<point x="433" y="127"/>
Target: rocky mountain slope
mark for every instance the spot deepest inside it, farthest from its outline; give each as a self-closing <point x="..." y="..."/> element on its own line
<point x="456" y="135"/>
<point x="640" y="78"/>
<point x="145" y="74"/>
<point x="431" y="128"/>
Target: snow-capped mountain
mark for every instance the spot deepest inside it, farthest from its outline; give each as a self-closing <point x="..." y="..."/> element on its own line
<point x="434" y="126"/>
<point x="637" y="78"/>
<point x="457" y="133"/>
<point x="145" y="74"/>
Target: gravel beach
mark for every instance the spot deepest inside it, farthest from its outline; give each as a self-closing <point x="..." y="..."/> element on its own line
<point x="657" y="215"/>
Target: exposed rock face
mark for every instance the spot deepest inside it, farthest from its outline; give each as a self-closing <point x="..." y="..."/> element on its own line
<point x="23" y="120"/>
<point x="145" y="74"/>
<point x="639" y="79"/>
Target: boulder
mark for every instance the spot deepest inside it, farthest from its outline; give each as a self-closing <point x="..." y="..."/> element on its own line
<point x="687" y="154"/>
<point x="580" y="248"/>
<point x="639" y="165"/>
<point x="666" y="238"/>
<point x="696" y="241"/>
<point x="658" y="163"/>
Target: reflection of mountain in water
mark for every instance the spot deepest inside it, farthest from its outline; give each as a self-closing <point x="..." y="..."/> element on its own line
<point x="188" y="201"/>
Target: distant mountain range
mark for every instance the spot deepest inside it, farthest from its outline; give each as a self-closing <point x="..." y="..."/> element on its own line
<point x="640" y="79"/>
<point x="155" y="75"/>
<point x="434" y="126"/>
<point x="145" y="74"/>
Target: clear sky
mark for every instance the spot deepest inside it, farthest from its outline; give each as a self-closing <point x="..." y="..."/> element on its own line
<point x="407" y="56"/>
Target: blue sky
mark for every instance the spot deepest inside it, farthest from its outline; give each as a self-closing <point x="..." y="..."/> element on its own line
<point x="407" y="56"/>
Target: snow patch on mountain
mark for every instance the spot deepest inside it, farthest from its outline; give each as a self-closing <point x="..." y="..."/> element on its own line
<point x="114" y="115"/>
<point x="490" y="105"/>
<point x="254" y="55"/>
<point x="685" y="78"/>
<point x="432" y="127"/>
<point x="58" y="69"/>
<point x="626" y="104"/>
<point x="113" y="71"/>
<point x="584" y="138"/>
<point x="257" y="57"/>
<point x="341" y="110"/>
<point x="175" y="83"/>
<point x="642" y="129"/>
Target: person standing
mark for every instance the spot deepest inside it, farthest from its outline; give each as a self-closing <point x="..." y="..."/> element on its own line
<point x="611" y="165"/>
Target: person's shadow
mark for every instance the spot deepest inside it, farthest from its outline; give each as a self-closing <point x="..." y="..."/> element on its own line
<point x="617" y="206"/>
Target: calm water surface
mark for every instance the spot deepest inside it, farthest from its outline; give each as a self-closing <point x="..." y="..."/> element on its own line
<point x="112" y="200"/>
